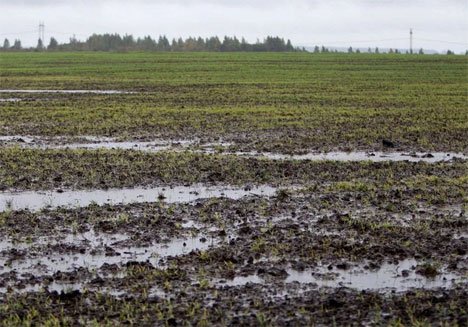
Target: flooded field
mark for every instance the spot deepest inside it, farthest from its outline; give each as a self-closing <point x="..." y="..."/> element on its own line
<point x="258" y="195"/>
<point x="223" y="148"/>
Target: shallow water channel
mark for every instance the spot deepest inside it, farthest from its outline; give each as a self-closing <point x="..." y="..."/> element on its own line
<point x="363" y="156"/>
<point x="37" y="200"/>
<point x="399" y="277"/>
<point x="95" y="143"/>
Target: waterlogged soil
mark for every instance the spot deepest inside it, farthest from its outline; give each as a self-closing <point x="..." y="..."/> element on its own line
<point x="401" y="276"/>
<point x="275" y="124"/>
<point x="227" y="148"/>
<point x="321" y="254"/>
<point x="232" y="238"/>
<point x="63" y="198"/>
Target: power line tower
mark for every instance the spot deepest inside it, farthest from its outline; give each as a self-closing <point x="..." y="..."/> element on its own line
<point x="411" y="40"/>
<point x="42" y="31"/>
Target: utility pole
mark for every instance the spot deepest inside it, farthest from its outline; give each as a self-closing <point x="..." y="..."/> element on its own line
<point x="41" y="31"/>
<point x="411" y="40"/>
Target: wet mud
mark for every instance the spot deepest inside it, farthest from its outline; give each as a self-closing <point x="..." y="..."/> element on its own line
<point x="283" y="252"/>
<point x="338" y="238"/>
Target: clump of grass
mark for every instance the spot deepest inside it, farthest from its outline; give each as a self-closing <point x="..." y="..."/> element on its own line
<point x="429" y="270"/>
<point x="283" y="195"/>
<point x="351" y="186"/>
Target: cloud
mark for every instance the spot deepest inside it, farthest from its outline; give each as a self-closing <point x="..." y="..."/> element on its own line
<point x="234" y="2"/>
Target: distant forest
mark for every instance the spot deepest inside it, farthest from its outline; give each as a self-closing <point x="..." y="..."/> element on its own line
<point x="116" y="42"/>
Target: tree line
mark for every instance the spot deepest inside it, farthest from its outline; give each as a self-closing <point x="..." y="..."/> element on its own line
<point x="323" y="49"/>
<point x="116" y="42"/>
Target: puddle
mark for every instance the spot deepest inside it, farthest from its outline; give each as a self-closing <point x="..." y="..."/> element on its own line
<point x="157" y="292"/>
<point x="89" y="238"/>
<point x="110" y="143"/>
<point x="68" y="91"/>
<point x="16" y="139"/>
<point x="11" y="100"/>
<point x="100" y="248"/>
<point x="107" y="142"/>
<point x="53" y="286"/>
<point x="64" y="288"/>
<point x="459" y="236"/>
<point x="35" y="201"/>
<point x="209" y="148"/>
<point x="388" y="277"/>
<point x="361" y="156"/>
<point x="95" y="143"/>
<point x="138" y="146"/>
<point x="8" y="244"/>
<point x="192" y="224"/>
<point x="50" y="264"/>
<point x="243" y="280"/>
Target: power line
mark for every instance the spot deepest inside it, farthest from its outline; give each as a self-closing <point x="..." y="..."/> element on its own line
<point x="441" y="41"/>
<point x="412" y="39"/>
<point x="41" y="31"/>
<point x="68" y="33"/>
<point x="19" y="33"/>
<point x="360" y="41"/>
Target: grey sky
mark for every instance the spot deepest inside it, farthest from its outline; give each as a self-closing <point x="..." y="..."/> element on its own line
<point x="305" y="22"/>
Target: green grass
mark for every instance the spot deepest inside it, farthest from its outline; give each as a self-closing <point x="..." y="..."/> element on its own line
<point x="265" y="101"/>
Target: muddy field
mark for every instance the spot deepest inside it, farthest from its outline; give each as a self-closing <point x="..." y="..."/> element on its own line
<point x="234" y="222"/>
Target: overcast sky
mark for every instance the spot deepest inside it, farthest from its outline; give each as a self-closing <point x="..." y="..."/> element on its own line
<point x="383" y="23"/>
